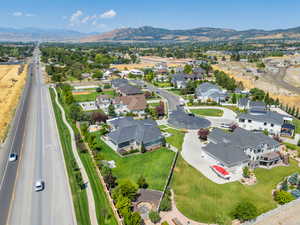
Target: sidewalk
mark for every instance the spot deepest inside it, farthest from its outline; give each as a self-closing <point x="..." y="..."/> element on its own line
<point x="89" y="192"/>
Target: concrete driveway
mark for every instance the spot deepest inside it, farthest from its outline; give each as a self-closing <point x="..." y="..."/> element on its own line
<point x="193" y="155"/>
<point x="228" y="116"/>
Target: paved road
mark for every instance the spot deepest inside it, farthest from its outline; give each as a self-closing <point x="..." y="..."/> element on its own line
<point x="173" y="100"/>
<point x="41" y="158"/>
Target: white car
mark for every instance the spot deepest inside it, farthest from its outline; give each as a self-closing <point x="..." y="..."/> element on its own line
<point x="12" y="157"/>
<point x="39" y="185"/>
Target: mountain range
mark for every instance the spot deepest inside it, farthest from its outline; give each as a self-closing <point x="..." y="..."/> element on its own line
<point x="147" y="34"/>
<point x="202" y="34"/>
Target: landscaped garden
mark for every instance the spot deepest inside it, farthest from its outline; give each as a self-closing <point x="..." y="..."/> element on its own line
<point x="208" y="112"/>
<point x="153" y="166"/>
<point x="200" y="199"/>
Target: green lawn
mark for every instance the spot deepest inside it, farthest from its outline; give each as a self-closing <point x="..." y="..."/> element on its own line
<point x="78" y="195"/>
<point x="154" y="104"/>
<point x="92" y="96"/>
<point x="202" y="200"/>
<point x="175" y="91"/>
<point x="296" y="122"/>
<point x="154" y="166"/>
<point x="176" y="139"/>
<point x="234" y="108"/>
<point x="208" y="112"/>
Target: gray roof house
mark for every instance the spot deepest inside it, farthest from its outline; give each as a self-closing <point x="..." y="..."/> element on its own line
<point x="128" y="134"/>
<point x="241" y="147"/>
<point x="129" y="90"/>
<point x="180" y="79"/>
<point x="116" y="83"/>
<point x="208" y="91"/>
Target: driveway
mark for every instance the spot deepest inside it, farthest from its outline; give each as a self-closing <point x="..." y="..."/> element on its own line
<point x="228" y="116"/>
<point x="193" y="155"/>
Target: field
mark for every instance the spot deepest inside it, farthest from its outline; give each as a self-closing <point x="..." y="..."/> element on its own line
<point x="202" y="200"/>
<point x="208" y="112"/>
<point x="154" y="166"/>
<point x="11" y="85"/>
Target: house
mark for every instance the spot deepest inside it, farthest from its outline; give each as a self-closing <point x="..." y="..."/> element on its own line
<point x="130" y="104"/>
<point x="180" y="80"/>
<point x="88" y="106"/>
<point x="161" y="68"/>
<point x="116" y="83"/>
<point x="199" y="70"/>
<point x="128" y="134"/>
<point x="254" y="106"/>
<point x="136" y="72"/>
<point x="126" y="90"/>
<point x="210" y="92"/>
<point x="241" y="148"/>
<point x="86" y="75"/>
<point x="103" y="102"/>
<point x="259" y="119"/>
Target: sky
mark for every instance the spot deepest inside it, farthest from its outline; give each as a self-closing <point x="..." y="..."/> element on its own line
<point x="106" y="15"/>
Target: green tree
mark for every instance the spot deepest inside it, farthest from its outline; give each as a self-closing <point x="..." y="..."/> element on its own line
<point x="111" y="110"/>
<point x="127" y="189"/>
<point x="142" y="182"/>
<point x="188" y="69"/>
<point x="233" y="99"/>
<point x="245" y="211"/>
<point x="133" y="219"/>
<point x="154" y="216"/>
<point x="283" y="197"/>
<point x="97" y="75"/>
<point x="123" y="204"/>
<point x="246" y="172"/>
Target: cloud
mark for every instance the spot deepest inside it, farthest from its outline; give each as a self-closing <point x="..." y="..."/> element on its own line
<point x="74" y="18"/>
<point x="17" y="14"/>
<point x="108" y="14"/>
<point x="29" y="14"/>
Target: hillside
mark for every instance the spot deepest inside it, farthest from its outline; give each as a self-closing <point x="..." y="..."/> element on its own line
<point x="201" y="34"/>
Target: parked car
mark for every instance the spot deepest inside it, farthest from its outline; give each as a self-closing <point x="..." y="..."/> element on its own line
<point x="12" y="157"/>
<point x="39" y="185"/>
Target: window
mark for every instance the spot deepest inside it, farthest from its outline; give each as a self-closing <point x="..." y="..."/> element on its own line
<point x="272" y="125"/>
<point x="265" y="123"/>
<point x="242" y="120"/>
<point x="249" y="121"/>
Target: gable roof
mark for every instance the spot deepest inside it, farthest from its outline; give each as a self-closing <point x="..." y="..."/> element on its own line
<point x="130" y="89"/>
<point x="209" y="89"/>
<point x="119" y="82"/>
<point x="263" y="116"/>
<point x="133" y="102"/>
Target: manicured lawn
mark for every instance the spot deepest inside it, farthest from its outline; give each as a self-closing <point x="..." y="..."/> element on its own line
<point x="296" y="122"/>
<point x="154" y="166"/>
<point x="154" y="104"/>
<point x="202" y="200"/>
<point x="78" y="195"/>
<point x="175" y="91"/>
<point x="208" y="112"/>
<point x="92" y="96"/>
<point x="162" y="84"/>
<point x="176" y="139"/>
<point x="234" y="108"/>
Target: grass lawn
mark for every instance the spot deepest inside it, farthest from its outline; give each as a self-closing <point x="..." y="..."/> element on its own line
<point x="234" y="108"/>
<point x="154" y="166"/>
<point x="162" y="84"/>
<point x="176" y="139"/>
<point x="154" y="104"/>
<point x="292" y="146"/>
<point x="175" y="91"/>
<point x="92" y="96"/>
<point x="208" y="112"/>
<point x="296" y="122"/>
<point x="78" y="195"/>
<point x="202" y="200"/>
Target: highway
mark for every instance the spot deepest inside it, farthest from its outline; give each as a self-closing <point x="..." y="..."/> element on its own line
<point x="40" y="158"/>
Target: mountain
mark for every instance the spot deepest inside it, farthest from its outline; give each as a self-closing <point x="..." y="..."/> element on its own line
<point x="37" y="34"/>
<point x="201" y="34"/>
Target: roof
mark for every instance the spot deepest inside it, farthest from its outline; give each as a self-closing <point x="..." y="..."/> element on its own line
<point x="142" y="131"/>
<point x="209" y="90"/>
<point x="263" y="116"/>
<point x="102" y="98"/>
<point x="229" y="147"/>
<point x="119" y="82"/>
<point x="133" y="102"/>
<point x="257" y="104"/>
<point x="184" y="76"/>
<point x="130" y="90"/>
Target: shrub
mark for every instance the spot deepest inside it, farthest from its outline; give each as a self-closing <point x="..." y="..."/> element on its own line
<point x="283" y="197"/>
<point x="245" y="211"/>
<point x="223" y="219"/>
<point x="165" y="223"/>
<point x="246" y="172"/>
<point x="142" y="182"/>
<point x="154" y="216"/>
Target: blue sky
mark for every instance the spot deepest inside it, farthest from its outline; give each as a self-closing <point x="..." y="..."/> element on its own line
<point x="105" y="15"/>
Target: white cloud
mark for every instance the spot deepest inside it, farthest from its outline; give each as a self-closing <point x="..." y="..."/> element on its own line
<point x="108" y="14"/>
<point x="17" y="14"/>
<point x="74" y="18"/>
<point x="29" y="14"/>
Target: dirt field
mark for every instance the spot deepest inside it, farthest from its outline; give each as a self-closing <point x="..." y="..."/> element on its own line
<point x="293" y="75"/>
<point x="11" y="85"/>
<point x="284" y="95"/>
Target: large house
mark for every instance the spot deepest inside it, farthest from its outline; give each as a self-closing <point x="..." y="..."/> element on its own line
<point x="273" y="122"/>
<point x="135" y="104"/>
<point x="241" y="148"/>
<point x="126" y="90"/>
<point x="128" y="134"/>
<point x="180" y="80"/>
<point x="246" y="103"/>
<point x="103" y="102"/>
<point x="117" y="83"/>
<point x="210" y="92"/>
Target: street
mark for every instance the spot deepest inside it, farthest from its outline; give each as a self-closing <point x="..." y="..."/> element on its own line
<point x="41" y="158"/>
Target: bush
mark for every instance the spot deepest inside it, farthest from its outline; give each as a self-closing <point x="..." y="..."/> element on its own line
<point x="283" y="197"/>
<point x="142" y="182"/>
<point x="246" y="172"/>
<point x="245" y="211"/>
<point x="154" y="216"/>
<point x="165" y="223"/>
<point x="223" y="219"/>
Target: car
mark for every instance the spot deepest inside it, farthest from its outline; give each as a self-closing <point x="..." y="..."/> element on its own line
<point x="39" y="185"/>
<point x="12" y="157"/>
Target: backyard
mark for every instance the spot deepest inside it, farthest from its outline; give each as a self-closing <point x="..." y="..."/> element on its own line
<point x="154" y="166"/>
<point x="176" y="138"/>
<point x="200" y="199"/>
<point x="208" y="112"/>
<point x="91" y="96"/>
